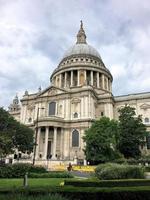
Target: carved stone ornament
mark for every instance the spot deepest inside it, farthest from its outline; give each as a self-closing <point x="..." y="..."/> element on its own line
<point x="52" y="91"/>
<point x="75" y="100"/>
<point x="30" y="106"/>
<point x="145" y="106"/>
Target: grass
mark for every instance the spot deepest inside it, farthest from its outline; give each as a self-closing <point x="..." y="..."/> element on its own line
<point x="34" y="182"/>
<point x="11" y="189"/>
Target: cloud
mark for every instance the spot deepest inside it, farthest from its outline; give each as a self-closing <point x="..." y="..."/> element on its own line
<point x="34" y="35"/>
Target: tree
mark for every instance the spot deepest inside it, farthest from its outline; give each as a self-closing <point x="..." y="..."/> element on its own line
<point x="132" y="132"/>
<point x="14" y="135"/>
<point x="101" y="139"/>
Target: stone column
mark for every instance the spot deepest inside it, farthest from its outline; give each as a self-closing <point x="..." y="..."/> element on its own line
<point x="60" y="80"/>
<point x="78" y="78"/>
<point x="107" y="84"/>
<point x="62" y="144"/>
<point x="55" y="81"/>
<point x="65" y="79"/>
<point x="54" y="143"/>
<point x="110" y="85"/>
<point x="91" y="77"/>
<point x="85" y="78"/>
<point x="71" y="78"/>
<point x="97" y="79"/>
<point x="38" y="143"/>
<point x="46" y="142"/>
<point x="57" y="84"/>
<point x="103" y="82"/>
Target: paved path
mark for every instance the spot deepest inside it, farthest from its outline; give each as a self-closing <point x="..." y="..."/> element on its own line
<point x="81" y="174"/>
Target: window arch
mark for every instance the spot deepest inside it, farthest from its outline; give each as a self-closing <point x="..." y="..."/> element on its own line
<point x="75" y="138"/>
<point x="146" y="120"/>
<point x="75" y="115"/>
<point x="52" y="108"/>
<point x="30" y="119"/>
<point x="60" y="110"/>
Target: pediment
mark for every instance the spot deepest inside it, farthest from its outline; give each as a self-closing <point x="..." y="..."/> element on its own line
<point x="51" y="91"/>
<point x="145" y="106"/>
<point x="75" y="100"/>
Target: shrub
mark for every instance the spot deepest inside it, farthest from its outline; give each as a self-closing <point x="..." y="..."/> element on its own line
<point x="6" y="171"/>
<point x="18" y="170"/>
<point x="115" y="171"/>
<point x="81" y="193"/>
<point x="41" y="197"/>
<point x="132" y="161"/>
<point x="120" y="161"/>
<point x="37" y="169"/>
<point x="108" y="183"/>
<point x="51" y="175"/>
<point x="147" y="168"/>
<point x="144" y="160"/>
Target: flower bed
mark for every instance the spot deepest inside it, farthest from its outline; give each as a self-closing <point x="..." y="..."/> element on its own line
<point x="86" y="168"/>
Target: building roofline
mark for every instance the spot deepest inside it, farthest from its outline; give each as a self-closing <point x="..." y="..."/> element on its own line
<point x="141" y="95"/>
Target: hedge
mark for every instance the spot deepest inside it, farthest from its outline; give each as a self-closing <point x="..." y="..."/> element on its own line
<point x="88" y="193"/>
<point x="18" y="170"/>
<point x="40" y="197"/>
<point x="108" y="183"/>
<point x="51" y="175"/>
<point x="132" y="161"/>
<point x="111" y="171"/>
<point x="147" y="168"/>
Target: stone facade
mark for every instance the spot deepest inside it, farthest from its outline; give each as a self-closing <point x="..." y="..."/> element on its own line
<point x="80" y="91"/>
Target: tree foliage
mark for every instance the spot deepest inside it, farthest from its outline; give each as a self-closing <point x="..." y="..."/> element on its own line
<point x="14" y="135"/>
<point x="132" y="132"/>
<point x="101" y="140"/>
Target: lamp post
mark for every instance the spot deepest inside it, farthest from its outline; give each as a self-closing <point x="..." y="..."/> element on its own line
<point x="36" y="133"/>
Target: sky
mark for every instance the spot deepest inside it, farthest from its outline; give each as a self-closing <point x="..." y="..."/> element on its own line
<point x="34" y="35"/>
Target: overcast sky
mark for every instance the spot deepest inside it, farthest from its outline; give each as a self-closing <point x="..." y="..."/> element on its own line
<point x="34" y="35"/>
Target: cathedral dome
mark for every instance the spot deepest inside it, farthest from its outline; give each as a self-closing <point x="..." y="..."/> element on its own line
<point x="80" y="66"/>
<point x="81" y="49"/>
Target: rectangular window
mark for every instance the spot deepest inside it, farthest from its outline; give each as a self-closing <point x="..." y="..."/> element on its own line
<point x="52" y="108"/>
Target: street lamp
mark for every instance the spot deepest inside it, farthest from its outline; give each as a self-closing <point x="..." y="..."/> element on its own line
<point x="36" y="133"/>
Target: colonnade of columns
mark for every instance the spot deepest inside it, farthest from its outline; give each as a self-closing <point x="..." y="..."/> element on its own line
<point x="82" y="77"/>
<point x="45" y="146"/>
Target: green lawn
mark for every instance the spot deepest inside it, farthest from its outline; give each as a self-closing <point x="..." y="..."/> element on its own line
<point x="4" y="183"/>
<point x="13" y="190"/>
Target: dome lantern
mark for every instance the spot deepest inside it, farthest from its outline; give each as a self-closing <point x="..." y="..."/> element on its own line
<point x="81" y="37"/>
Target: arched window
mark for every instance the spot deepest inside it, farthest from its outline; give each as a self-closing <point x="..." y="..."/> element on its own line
<point x="60" y="110"/>
<point x="75" y="115"/>
<point x="30" y="119"/>
<point x="146" y="120"/>
<point x="52" y="108"/>
<point x="75" y="138"/>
